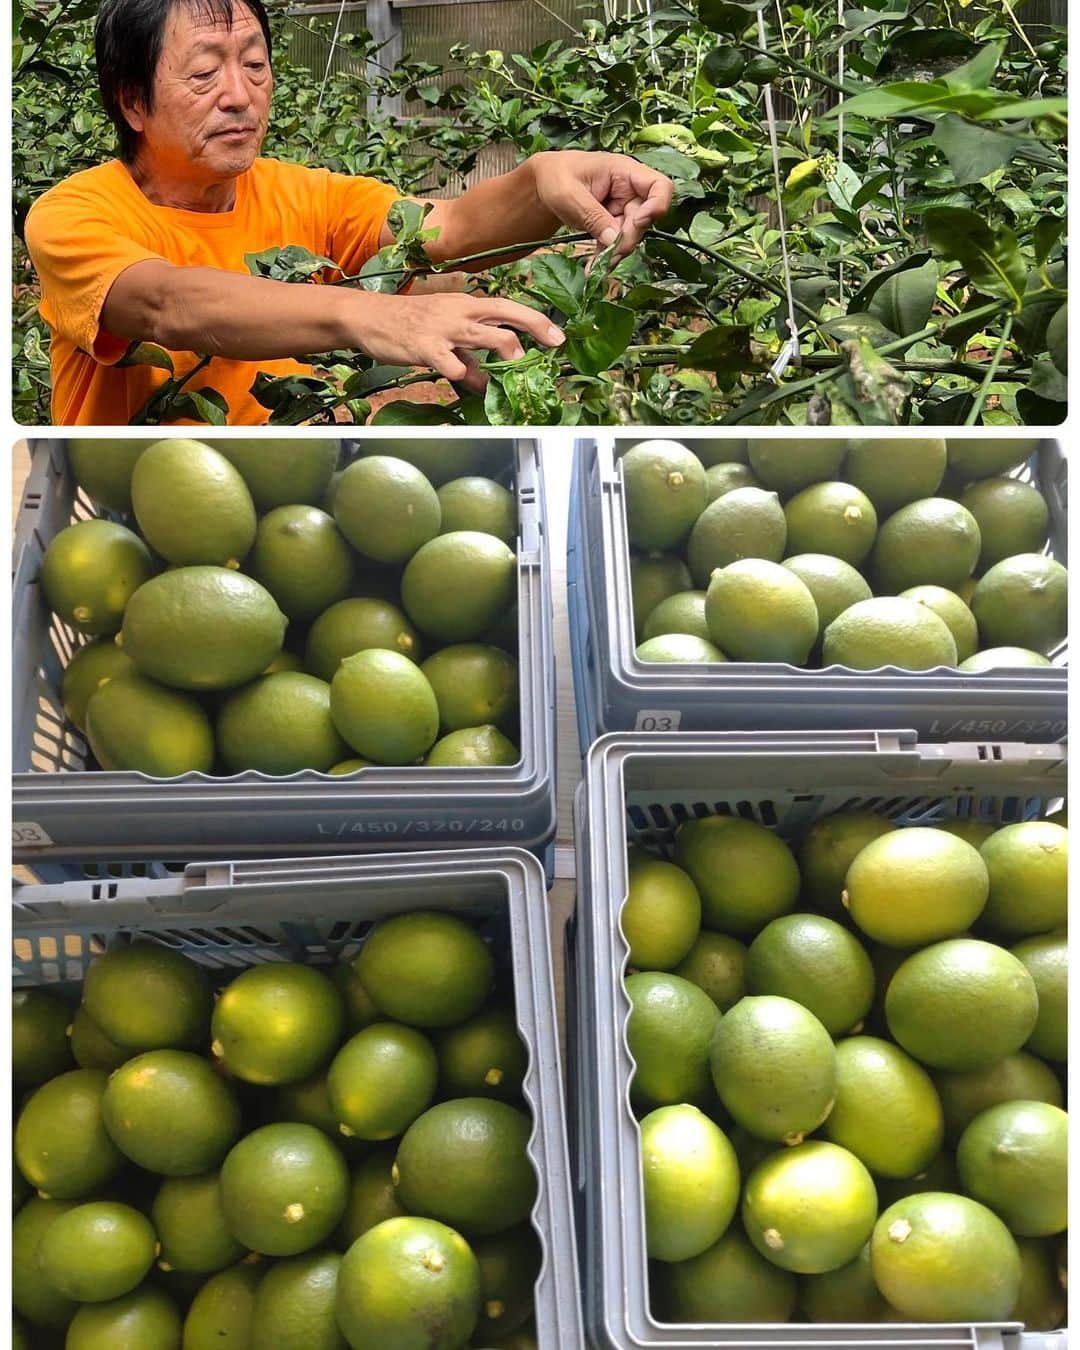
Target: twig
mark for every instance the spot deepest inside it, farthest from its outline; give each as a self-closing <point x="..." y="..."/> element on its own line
<point x="973" y="416"/>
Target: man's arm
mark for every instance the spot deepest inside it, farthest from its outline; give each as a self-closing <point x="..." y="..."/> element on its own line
<point x="201" y="309"/>
<point x="605" y="195"/>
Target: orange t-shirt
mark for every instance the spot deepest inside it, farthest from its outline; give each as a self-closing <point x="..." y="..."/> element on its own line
<point x="85" y="231"/>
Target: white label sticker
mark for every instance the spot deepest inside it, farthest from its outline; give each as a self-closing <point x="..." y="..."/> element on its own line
<point x="28" y="834"/>
<point x="649" y="719"/>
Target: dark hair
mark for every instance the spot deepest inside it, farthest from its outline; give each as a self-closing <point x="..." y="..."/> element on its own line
<point x="127" y="48"/>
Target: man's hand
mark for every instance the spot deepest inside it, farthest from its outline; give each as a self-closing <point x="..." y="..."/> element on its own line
<point x="607" y="195"/>
<point x="442" y="332"/>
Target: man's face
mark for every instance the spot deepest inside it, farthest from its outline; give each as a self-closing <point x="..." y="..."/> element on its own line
<point x="212" y="93"/>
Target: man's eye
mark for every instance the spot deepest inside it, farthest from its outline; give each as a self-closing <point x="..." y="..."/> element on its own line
<point x="256" y="65"/>
<point x="203" y="75"/>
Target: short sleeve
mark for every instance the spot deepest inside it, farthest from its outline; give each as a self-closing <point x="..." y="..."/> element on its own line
<point x="357" y="211"/>
<point x="78" y="251"/>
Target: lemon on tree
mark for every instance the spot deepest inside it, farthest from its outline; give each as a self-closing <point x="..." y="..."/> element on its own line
<point x="915" y="886"/>
<point x="690" y="1181"/>
<point x="773" y="1065"/>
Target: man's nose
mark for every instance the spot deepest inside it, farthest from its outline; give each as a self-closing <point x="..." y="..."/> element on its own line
<point x="234" y="92"/>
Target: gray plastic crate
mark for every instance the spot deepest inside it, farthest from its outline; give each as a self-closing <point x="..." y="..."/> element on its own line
<point x="640" y="787"/>
<point x="63" y="815"/>
<point x="617" y="692"/>
<point x="230" y="915"/>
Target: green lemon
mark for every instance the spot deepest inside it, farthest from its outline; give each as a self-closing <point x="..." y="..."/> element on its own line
<point x="847" y="1294"/>
<point x="973" y="832"/>
<point x="683" y="612"/>
<point x="384" y="706"/>
<point x="1023" y="602"/>
<point x="956" y="616"/>
<point x="716" y="964"/>
<point x="192" y="505"/>
<point x="915" y="886"/>
<point x="833" y="584"/>
<point x="652" y="580"/>
<point x="833" y="518"/>
<point x="440" y="460"/>
<point x="91" y="570"/>
<point x="1012" y="518"/>
<point x="148" y="997"/>
<point x="32" y="1293"/>
<point x="279" y="724"/>
<point x="1028" y="865"/>
<point x="474" y="684"/>
<point x="809" y="1209"/>
<point x="408" y="1283"/>
<point x="987" y="456"/>
<point x="39" y="1036"/>
<point x="190" y="1223"/>
<point x="89" y="668"/>
<point x="816" y="963"/>
<point x="347" y="766"/>
<point x="61" y="1144"/>
<point x="90" y="1046"/>
<point x="774" y="1068"/>
<point x="828" y="850"/>
<point x="930" y="542"/>
<point x="221" y="1316"/>
<point x="744" y="523"/>
<point x="354" y="625"/>
<point x="168" y="1111"/>
<point x="483" y="1057"/>
<point x="895" y="472"/>
<point x="662" y="914"/>
<point x="509" y="1265"/>
<point x="887" y="1111"/>
<point x="1046" y="959"/>
<point x="478" y="504"/>
<point x="360" y="1009"/>
<point x="679" y="648"/>
<point x="473" y="747"/>
<point x="664" y="486"/>
<point x="202" y="628"/>
<point x="285" y="660"/>
<point x="283" y="1189"/>
<point x="961" y="1004"/>
<point x="1042" y="1302"/>
<point x="277" y="1023"/>
<point x="386" y="508"/>
<point x="888" y="631"/>
<point x="788" y="466"/>
<point x="426" y="969"/>
<point x="381" y="1080"/>
<point x="283" y="472"/>
<point x="723" y="478"/>
<point x="134" y="723"/>
<point x="760" y="611"/>
<point x="295" y="1305"/>
<point x="145" y="1319"/>
<point x="1003" y="658"/>
<point x="466" y="1163"/>
<point x="1013" y="1158"/>
<point x="945" y="1258"/>
<point x="372" y="1195"/>
<point x="308" y="1103"/>
<point x="457" y="586"/>
<point x="727" y="1283"/>
<point x="97" y="1252"/>
<point x="1017" y="1077"/>
<point x="745" y="874"/>
<point x="940" y="1175"/>
<point x="671" y="1027"/>
<point x="690" y="1180"/>
<point x="302" y="560"/>
<point x="103" y="469"/>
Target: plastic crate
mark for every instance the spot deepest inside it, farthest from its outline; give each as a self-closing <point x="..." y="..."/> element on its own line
<point x="227" y="916"/>
<point x="65" y="817"/>
<point x="639" y="788"/>
<point x="616" y="692"/>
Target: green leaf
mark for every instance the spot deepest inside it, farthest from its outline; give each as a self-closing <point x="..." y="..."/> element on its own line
<point x="671" y="162"/>
<point x="1047" y="232"/>
<point x="403" y="413"/>
<point x="850" y="327"/>
<point x="597" y="337"/>
<point x="979" y="71"/>
<point x="200" y="405"/>
<point x="724" y="349"/>
<point x="872" y="388"/>
<point x="989" y="254"/>
<point x="291" y="263"/>
<point x="707" y="231"/>
<point x="860" y="301"/>
<point x="523" y="392"/>
<point x="660" y="294"/>
<point x="972" y="151"/>
<point x="147" y="354"/>
<point x="925" y="50"/>
<point x="870" y="189"/>
<point x="726" y="16"/>
<point x="558" y="279"/>
<point x="1025" y="108"/>
<point x="905" y="300"/>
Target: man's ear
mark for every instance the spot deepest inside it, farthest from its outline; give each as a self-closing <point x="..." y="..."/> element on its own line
<point x="134" y="112"/>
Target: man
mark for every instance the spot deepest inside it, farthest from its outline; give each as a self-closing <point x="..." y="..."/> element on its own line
<point x="150" y="246"/>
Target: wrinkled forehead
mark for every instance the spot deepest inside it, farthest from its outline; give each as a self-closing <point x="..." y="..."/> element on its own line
<point x="193" y="24"/>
